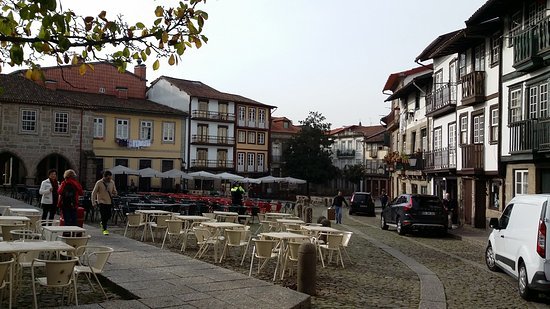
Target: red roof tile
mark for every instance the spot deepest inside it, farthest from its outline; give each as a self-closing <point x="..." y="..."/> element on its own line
<point x="394" y="78"/>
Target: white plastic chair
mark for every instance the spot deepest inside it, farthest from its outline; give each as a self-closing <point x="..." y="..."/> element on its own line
<point x="345" y="243"/>
<point x="333" y="244"/>
<point x="159" y="224"/>
<point x="6" y="278"/>
<point x="92" y="261"/>
<point x="263" y="250"/>
<point x="59" y="274"/>
<point x="205" y="240"/>
<point x="134" y="221"/>
<point x="291" y="256"/>
<point x="235" y="239"/>
<point x="174" y="232"/>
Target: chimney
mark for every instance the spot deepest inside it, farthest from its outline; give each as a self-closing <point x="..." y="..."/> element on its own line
<point x="50" y="84"/>
<point x="122" y="93"/>
<point x="140" y="70"/>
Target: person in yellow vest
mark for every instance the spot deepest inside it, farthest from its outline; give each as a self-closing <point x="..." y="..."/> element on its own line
<point x="237" y="193"/>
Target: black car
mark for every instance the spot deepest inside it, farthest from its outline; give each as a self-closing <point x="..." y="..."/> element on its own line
<point x="361" y="202"/>
<point x="414" y="212"/>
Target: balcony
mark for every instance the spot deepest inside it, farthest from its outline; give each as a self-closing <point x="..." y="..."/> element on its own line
<point x="532" y="46"/>
<point x="212" y="140"/>
<point x="211" y="164"/>
<point x="440" y="159"/>
<point x="530" y="136"/>
<point x="441" y="101"/>
<point x="345" y="153"/>
<point x="473" y="157"/>
<point x="473" y="88"/>
<point x="217" y="116"/>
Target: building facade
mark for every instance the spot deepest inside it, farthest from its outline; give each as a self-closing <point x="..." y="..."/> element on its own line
<point x="282" y="130"/>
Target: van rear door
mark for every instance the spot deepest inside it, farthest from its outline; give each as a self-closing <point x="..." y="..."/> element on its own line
<point x="545" y="215"/>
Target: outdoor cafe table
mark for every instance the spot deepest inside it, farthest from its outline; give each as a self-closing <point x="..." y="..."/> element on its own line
<point x="24" y="211"/>
<point x="290" y="221"/>
<point x="283" y="237"/>
<point x="277" y="215"/>
<point x="50" y="230"/>
<point x="219" y="227"/>
<point x="189" y="219"/>
<point x="225" y="214"/>
<point x="13" y="219"/>
<point x="149" y="213"/>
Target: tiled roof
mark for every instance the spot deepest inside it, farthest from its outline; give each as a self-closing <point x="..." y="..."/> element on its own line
<point x="16" y="88"/>
<point x="493" y="9"/>
<point x="394" y="78"/>
<point x="200" y="90"/>
<point x="277" y="125"/>
<point x="435" y="44"/>
<point x="411" y="87"/>
<point x="108" y="102"/>
<point x="365" y="131"/>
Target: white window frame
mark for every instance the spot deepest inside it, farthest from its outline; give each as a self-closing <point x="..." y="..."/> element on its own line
<point x="250" y="160"/>
<point x="478" y="132"/>
<point x="241" y="136"/>
<point x="29" y="120"/>
<point x="494" y="124"/>
<point x="252" y="116"/>
<point x="479" y="57"/>
<point x="516" y="108"/>
<point x="251" y="137"/>
<point x="438" y="136"/>
<point x="242" y="113"/>
<point x="261" y="138"/>
<point x="168" y="132"/>
<point x="146" y="130"/>
<point x="521" y="182"/>
<point x="122" y="128"/>
<point x="99" y="127"/>
<point x="261" y="115"/>
<point x="261" y="162"/>
<point x="240" y="159"/>
<point x="464" y="129"/>
<point x="60" y="122"/>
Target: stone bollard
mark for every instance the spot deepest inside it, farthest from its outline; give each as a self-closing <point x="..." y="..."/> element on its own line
<point x="299" y="210"/>
<point x="309" y="215"/>
<point x="307" y="272"/>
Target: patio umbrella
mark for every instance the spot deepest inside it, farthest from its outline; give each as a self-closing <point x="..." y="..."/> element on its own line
<point x="120" y="169"/>
<point x="250" y="180"/>
<point x="176" y="174"/>
<point x="229" y="176"/>
<point x="148" y="172"/>
<point x="294" y="181"/>
<point x="270" y="179"/>
<point x="203" y="175"/>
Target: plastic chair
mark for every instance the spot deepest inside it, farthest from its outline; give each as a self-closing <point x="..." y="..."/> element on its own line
<point x="345" y="243"/>
<point x="291" y="256"/>
<point x="24" y="235"/>
<point x="333" y="244"/>
<point x="235" y="238"/>
<point x="174" y="230"/>
<point x="59" y="274"/>
<point x="7" y="228"/>
<point x="74" y="242"/>
<point x="135" y="221"/>
<point x="160" y="224"/>
<point x="92" y="261"/>
<point x="205" y="240"/>
<point x="263" y="250"/>
<point x="6" y="278"/>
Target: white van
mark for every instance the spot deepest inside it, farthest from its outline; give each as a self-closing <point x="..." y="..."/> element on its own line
<point x="517" y="243"/>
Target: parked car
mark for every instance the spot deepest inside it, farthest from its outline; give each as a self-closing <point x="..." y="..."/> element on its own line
<point x="518" y="243"/>
<point x="361" y="202"/>
<point x="410" y="212"/>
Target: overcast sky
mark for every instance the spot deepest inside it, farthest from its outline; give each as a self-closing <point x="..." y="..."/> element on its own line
<point x="332" y="57"/>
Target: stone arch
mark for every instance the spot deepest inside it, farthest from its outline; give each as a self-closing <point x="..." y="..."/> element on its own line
<point x="13" y="170"/>
<point x="53" y="161"/>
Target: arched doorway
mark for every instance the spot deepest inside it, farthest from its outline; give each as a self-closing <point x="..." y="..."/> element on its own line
<point x="12" y="169"/>
<point x="53" y="161"/>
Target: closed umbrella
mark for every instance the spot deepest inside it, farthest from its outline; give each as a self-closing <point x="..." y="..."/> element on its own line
<point x="120" y="169"/>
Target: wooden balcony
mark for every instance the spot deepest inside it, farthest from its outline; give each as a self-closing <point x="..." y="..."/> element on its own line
<point x="345" y="153"/>
<point x="441" y="101"/>
<point x="211" y="164"/>
<point x="473" y="88"/>
<point x="473" y="156"/>
<point x="532" y="46"/>
<point x="217" y="116"/>
<point x="440" y="159"/>
<point x="212" y="140"/>
<point x="530" y="136"/>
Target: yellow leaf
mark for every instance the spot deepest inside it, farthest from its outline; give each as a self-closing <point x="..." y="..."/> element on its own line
<point x="28" y="74"/>
<point x="156" y="65"/>
<point x="82" y="69"/>
<point x="74" y="60"/>
<point x="172" y="60"/>
<point x="165" y="37"/>
<point x="158" y="11"/>
<point x="36" y="75"/>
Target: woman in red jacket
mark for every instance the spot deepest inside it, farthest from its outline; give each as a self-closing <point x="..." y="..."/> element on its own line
<point x="69" y="192"/>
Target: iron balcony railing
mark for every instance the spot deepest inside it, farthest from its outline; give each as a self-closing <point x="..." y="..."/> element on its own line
<point x="213" y="115"/>
<point x="440" y="159"/>
<point x="444" y="96"/>
<point x="530" y="44"/>
<point x="345" y="153"/>
<point x="213" y="139"/>
<point x="198" y="163"/>
<point x="532" y="135"/>
<point x="473" y="88"/>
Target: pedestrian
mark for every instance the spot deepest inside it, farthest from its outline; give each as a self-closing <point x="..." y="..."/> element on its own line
<point x="69" y="191"/>
<point x="450" y="206"/>
<point x="133" y="187"/>
<point x="383" y="199"/>
<point x="102" y="195"/>
<point x="48" y="190"/>
<point x="237" y="193"/>
<point x="338" y="202"/>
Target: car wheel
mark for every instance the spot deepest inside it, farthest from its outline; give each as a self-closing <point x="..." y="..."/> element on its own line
<point x="383" y="224"/>
<point x="524" y="291"/>
<point x="490" y="259"/>
<point x="400" y="228"/>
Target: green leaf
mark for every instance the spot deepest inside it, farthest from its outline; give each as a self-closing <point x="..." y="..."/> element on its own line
<point x="140" y="25"/>
<point x="16" y="54"/>
<point x="156" y="65"/>
<point x="126" y="52"/>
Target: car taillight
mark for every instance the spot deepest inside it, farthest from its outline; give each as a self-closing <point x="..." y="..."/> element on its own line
<point x="541" y="239"/>
<point x="409" y="205"/>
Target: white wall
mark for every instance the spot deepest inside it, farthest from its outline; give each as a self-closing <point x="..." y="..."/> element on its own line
<point x="167" y="94"/>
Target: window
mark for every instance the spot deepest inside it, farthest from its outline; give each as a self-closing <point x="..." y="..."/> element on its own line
<point x="203" y="108"/>
<point x="61" y="122"/>
<point x="417" y="101"/>
<point x="168" y="132"/>
<point x="222" y="110"/>
<point x="462" y="65"/>
<point x="463" y="129"/>
<point x="424" y="139"/>
<point x="452" y="79"/>
<point x="261" y="159"/>
<point x="28" y="120"/>
<point x="537" y="11"/>
<point x="515" y="27"/>
<point x="261" y="115"/>
<point x="242" y="136"/>
<point x="202" y="133"/>
<point x="505" y="218"/>
<point x="495" y="49"/>
<point x="413" y="142"/>
<point x="423" y="189"/>
<point x="240" y="159"/>
<point x="494" y="202"/>
<point x="261" y="138"/>
<point x="452" y="136"/>
<point x="515" y="105"/>
<point x="122" y="128"/>
<point x="99" y="127"/>
<point x="242" y="113"/>
<point x="251" y="138"/>
<point x="520" y="182"/>
<point x="222" y="157"/>
<point x="437" y="138"/>
<point x="250" y="161"/>
<point x="251" y="116"/>
<point x="222" y="134"/>
<point x="538" y="101"/>
<point x="414" y="188"/>
<point x="478" y="129"/>
<point x="286" y="124"/>
<point x="493" y="136"/>
<point x="146" y="130"/>
<point x="438" y="79"/>
<point x="479" y="58"/>
<point x="202" y="156"/>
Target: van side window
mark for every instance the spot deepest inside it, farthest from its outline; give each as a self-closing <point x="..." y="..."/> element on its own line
<point x="503" y="222"/>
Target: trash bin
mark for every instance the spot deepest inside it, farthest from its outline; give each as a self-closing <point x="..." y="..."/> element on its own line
<point x="331" y="213"/>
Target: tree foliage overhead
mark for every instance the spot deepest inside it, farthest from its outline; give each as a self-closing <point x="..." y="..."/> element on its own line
<point x="354" y="173"/>
<point x="308" y="155"/>
<point x="32" y="30"/>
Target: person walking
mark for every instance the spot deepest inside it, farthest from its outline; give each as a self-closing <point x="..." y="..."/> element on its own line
<point x="338" y="202"/>
<point x="69" y="191"/>
<point x="102" y="195"/>
<point x="48" y="190"/>
<point x="383" y="199"/>
<point x="237" y="193"/>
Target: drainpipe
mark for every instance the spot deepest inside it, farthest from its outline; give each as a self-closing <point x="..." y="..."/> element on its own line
<point x="500" y="170"/>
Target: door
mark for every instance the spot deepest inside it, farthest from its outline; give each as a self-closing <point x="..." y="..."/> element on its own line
<point x="167" y="184"/>
<point x="467" y="200"/>
<point x="480" y="204"/>
<point x="545" y="181"/>
<point x="499" y="245"/>
<point x="144" y="182"/>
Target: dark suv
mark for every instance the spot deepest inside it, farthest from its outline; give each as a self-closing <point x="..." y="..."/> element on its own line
<point x="414" y="212"/>
<point x="361" y="202"/>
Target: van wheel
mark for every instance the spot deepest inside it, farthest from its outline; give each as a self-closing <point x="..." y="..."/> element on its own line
<point x="490" y="259"/>
<point x="524" y="291"/>
<point x="383" y="224"/>
<point x="400" y="228"/>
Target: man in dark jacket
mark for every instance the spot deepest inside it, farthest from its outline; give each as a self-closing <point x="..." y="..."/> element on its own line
<point x="338" y="202"/>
